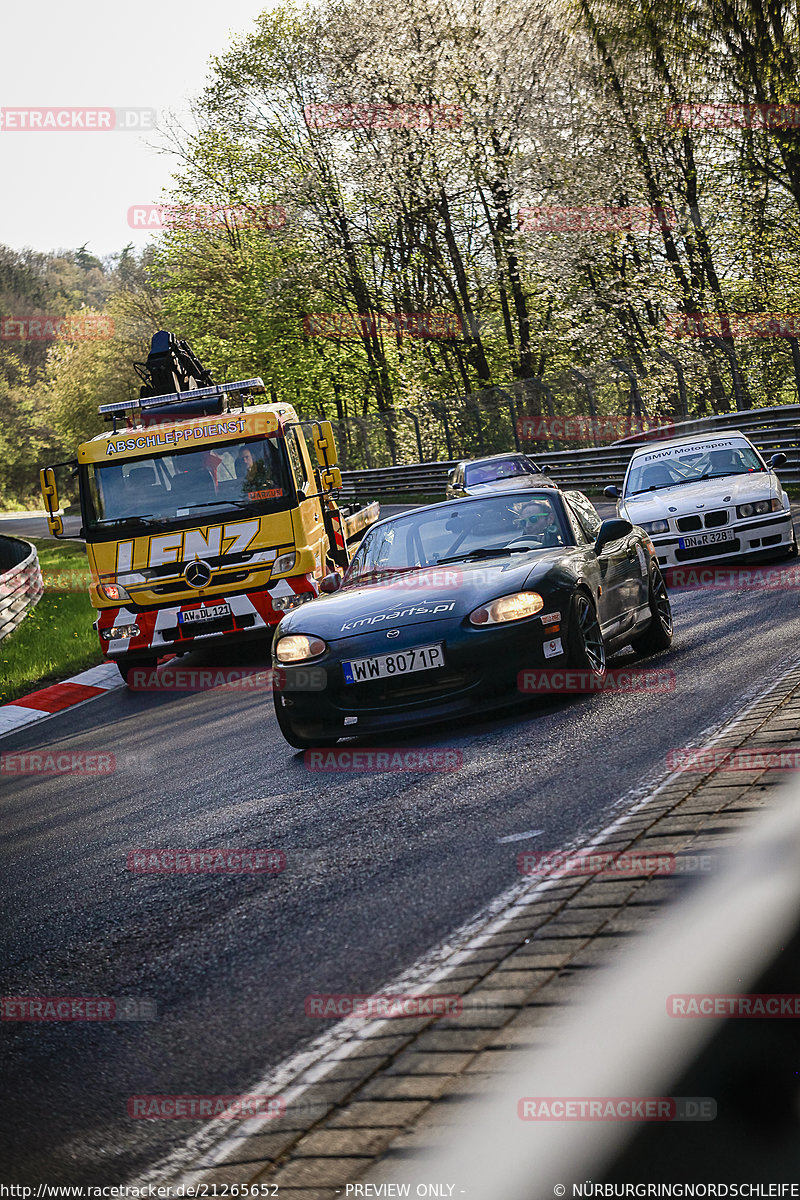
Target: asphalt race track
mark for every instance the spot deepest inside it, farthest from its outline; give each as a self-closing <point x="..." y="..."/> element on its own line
<point x="380" y="867"/>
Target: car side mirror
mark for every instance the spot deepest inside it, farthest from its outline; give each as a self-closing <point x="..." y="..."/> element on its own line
<point x="612" y="491"/>
<point x="778" y="460"/>
<point x="611" y="531"/>
<point x="450" y="475"/>
<point x="331" y="583"/>
<point x="545" y="468"/>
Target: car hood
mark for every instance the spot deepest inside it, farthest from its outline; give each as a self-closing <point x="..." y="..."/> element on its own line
<point x="705" y="494"/>
<point x="509" y="485"/>
<point x="446" y="593"/>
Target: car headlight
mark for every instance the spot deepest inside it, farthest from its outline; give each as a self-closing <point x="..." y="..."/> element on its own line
<point x="299" y="647"/>
<point x="508" y="608"/>
<point x="284" y="562"/>
<point x="655" y="526"/>
<point x="756" y="507"/>
<point x="113" y="591"/>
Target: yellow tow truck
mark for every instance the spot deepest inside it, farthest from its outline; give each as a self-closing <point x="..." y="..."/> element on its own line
<point x="204" y="516"/>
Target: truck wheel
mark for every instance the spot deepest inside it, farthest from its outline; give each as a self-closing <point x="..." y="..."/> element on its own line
<point x="125" y="666"/>
<point x="296" y="739"/>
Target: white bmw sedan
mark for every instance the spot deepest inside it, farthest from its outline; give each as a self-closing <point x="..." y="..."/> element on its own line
<point x="707" y="497"/>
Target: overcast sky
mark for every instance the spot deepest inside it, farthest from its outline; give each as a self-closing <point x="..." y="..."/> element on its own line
<point x="63" y="189"/>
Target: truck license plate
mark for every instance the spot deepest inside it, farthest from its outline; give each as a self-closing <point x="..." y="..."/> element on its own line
<point x="197" y="615"/>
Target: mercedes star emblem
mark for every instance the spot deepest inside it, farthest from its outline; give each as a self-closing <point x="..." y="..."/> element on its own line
<point x="197" y="574"/>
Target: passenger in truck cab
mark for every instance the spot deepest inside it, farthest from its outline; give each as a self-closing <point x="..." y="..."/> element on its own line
<point x="254" y="472"/>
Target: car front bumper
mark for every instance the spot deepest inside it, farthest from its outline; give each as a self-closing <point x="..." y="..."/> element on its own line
<point x="480" y="673"/>
<point x="756" y="537"/>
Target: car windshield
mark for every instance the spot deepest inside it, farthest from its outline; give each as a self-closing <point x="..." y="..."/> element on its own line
<point x="248" y="474"/>
<point x="676" y="465"/>
<point x="503" y="468"/>
<point x="455" y="533"/>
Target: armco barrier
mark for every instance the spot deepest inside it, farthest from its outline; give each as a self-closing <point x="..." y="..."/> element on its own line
<point x="20" y="582"/>
<point x="770" y="429"/>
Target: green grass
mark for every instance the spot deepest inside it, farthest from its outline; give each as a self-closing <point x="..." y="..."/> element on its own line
<point x="56" y="639"/>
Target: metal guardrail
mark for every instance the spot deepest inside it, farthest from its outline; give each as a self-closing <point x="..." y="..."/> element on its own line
<point x="591" y="468"/>
<point x="20" y="582"/>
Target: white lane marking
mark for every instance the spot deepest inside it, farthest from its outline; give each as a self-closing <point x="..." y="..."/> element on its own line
<point x="519" y="837"/>
<point x="216" y="1141"/>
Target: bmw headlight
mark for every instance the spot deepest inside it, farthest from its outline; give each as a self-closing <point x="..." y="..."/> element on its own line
<point x="757" y="507"/>
<point x="655" y="526"/>
<point x="299" y="647"/>
<point x="508" y="608"/>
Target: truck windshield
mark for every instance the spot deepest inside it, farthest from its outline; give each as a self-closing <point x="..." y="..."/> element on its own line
<point x="249" y="474"/>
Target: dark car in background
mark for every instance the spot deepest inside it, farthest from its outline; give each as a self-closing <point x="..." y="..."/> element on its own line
<point x="499" y="472"/>
<point x="442" y="607"/>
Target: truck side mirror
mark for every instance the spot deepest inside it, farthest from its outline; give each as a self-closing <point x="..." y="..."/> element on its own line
<point x="47" y="483"/>
<point x="612" y="491"/>
<point x="324" y="445"/>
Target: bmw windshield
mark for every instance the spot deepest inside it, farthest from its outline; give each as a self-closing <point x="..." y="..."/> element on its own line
<point x="234" y="476"/>
<point x="676" y="465"/>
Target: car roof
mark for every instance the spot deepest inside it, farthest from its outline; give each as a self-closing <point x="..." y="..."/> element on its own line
<point x="666" y="443"/>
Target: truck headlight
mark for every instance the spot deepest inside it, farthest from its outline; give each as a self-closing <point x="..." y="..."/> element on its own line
<point x="113" y="591"/>
<point x="298" y="647"/>
<point x="284" y="563"/>
<point x="508" y="608"/>
<point x="757" y="507"/>
<point x="125" y="632"/>
<point x="655" y="526"/>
